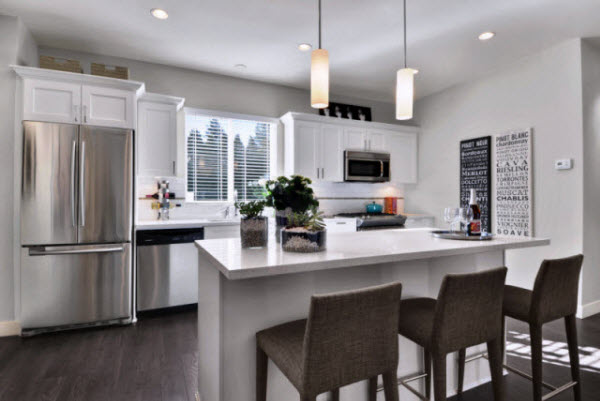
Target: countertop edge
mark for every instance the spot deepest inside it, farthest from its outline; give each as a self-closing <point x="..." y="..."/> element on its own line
<point x="260" y="272"/>
<point x="174" y="224"/>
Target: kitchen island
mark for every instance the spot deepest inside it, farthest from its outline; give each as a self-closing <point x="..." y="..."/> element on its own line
<point x="242" y="291"/>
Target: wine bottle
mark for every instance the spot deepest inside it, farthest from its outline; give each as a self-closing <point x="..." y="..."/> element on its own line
<point x="474" y="227"/>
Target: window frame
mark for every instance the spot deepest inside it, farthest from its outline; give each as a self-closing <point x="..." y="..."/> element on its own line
<point x="273" y="148"/>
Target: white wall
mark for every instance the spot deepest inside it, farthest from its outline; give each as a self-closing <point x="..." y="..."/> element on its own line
<point x="591" y="178"/>
<point x="16" y="46"/>
<point x="219" y="92"/>
<point x="543" y="92"/>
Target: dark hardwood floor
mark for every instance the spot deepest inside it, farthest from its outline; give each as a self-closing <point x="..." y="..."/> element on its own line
<point x="155" y="360"/>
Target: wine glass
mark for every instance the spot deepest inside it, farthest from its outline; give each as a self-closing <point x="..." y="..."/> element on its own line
<point x="450" y="216"/>
<point x="465" y="217"/>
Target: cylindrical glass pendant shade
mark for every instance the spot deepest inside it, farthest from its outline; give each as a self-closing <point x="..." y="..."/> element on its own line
<point x="319" y="79"/>
<point x="405" y="92"/>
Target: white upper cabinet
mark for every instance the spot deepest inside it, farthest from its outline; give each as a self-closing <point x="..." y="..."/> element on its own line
<point x="377" y="140"/>
<point x="108" y="107"/>
<point x="315" y="145"/>
<point x="157" y="134"/>
<point x="66" y="97"/>
<point x="315" y="152"/>
<point x="51" y="101"/>
<point x="355" y="138"/>
<point x="330" y="141"/>
<point x="403" y="158"/>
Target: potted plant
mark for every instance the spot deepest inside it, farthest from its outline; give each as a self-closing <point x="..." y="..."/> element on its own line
<point x="289" y="195"/>
<point x="254" y="230"/>
<point x="305" y="232"/>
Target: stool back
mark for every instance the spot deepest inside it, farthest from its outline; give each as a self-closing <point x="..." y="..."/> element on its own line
<point x="351" y="336"/>
<point x="468" y="310"/>
<point x="556" y="289"/>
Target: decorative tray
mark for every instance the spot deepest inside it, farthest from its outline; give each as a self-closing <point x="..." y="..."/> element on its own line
<point x="458" y="235"/>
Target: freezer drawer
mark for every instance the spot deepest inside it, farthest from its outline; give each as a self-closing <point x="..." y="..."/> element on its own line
<point x="72" y="285"/>
<point x="167" y="268"/>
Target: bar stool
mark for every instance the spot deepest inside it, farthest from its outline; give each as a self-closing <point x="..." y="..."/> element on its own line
<point x="554" y="296"/>
<point x="348" y="337"/>
<point x="468" y="311"/>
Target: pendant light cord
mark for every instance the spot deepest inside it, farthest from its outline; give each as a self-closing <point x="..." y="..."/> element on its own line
<point x="405" y="62"/>
<point x="319" y="24"/>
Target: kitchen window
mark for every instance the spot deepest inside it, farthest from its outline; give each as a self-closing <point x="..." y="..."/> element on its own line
<point x="228" y="156"/>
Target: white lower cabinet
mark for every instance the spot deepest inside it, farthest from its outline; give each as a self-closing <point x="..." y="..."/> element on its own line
<point x="224" y="231"/>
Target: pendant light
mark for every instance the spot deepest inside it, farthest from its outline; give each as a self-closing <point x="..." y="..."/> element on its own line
<point x="405" y="85"/>
<point x="319" y="74"/>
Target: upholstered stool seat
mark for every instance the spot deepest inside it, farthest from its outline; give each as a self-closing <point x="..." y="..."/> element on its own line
<point x="416" y="320"/>
<point x="348" y="337"/>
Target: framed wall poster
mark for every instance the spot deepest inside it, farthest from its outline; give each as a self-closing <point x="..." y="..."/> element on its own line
<point x="476" y="172"/>
<point x="512" y="183"/>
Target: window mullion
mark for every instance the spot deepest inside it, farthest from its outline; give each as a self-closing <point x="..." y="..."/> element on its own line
<point x="230" y="161"/>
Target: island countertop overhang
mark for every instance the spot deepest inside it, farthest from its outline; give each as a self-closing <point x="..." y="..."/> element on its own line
<point x="345" y="250"/>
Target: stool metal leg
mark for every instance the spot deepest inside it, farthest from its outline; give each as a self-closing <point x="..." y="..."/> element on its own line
<point x="427" y="357"/>
<point x="571" y="329"/>
<point x="536" y="360"/>
<point x="262" y="364"/>
<point x="335" y="395"/>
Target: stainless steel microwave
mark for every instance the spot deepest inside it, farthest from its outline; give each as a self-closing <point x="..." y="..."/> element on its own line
<point x="366" y="166"/>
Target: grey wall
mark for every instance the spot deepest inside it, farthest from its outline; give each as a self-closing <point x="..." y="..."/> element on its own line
<point x="219" y="92"/>
<point x="542" y="92"/>
<point x="16" y="46"/>
<point x="591" y="179"/>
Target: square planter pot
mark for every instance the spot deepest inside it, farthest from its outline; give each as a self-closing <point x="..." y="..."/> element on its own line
<point x="294" y="240"/>
<point x="254" y="232"/>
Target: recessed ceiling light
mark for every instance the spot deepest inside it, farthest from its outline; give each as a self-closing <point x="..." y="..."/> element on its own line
<point x="159" y="13"/>
<point x="304" y="47"/>
<point x="241" y="66"/>
<point x="486" y="35"/>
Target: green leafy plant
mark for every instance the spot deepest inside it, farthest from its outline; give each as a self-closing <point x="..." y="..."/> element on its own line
<point x="293" y="192"/>
<point x="250" y="210"/>
<point x="311" y="220"/>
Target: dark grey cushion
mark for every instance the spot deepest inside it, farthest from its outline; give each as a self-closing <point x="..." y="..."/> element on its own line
<point x="416" y="320"/>
<point x="283" y="345"/>
<point x="517" y="302"/>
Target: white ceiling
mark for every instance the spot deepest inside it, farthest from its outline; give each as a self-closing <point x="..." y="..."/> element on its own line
<point x="364" y="38"/>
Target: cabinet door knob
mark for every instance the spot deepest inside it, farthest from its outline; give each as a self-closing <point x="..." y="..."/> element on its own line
<point x="76" y="112"/>
<point x="85" y="114"/>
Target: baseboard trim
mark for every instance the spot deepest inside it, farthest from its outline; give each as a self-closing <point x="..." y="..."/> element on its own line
<point x="588" y="310"/>
<point x="10" y="328"/>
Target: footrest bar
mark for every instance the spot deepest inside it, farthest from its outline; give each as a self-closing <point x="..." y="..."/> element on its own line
<point x="406" y="379"/>
<point x="559" y="390"/>
<point x="527" y="376"/>
<point x="412" y="390"/>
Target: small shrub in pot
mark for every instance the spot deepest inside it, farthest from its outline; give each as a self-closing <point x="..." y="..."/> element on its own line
<point x="305" y="232"/>
<point x="287" y="196"/>
<point x="254" y="228"/>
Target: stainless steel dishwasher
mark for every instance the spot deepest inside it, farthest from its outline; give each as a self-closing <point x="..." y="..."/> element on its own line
<point x="167" y="267"/>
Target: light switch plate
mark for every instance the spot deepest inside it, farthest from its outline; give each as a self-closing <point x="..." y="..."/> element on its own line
<point x="563" y="164"/>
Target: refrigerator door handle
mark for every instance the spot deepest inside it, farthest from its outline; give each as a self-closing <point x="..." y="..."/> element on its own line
<point x="74" y="250"/>
<point x="82" y="186"/>
<point x="73" y="183"/>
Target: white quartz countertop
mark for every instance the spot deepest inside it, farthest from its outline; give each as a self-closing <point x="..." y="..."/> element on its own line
<point x="345" y="250"/>
<point x="180" y="223"/>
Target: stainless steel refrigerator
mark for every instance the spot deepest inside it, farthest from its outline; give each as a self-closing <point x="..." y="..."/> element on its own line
<point x="76" y="226"/>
